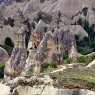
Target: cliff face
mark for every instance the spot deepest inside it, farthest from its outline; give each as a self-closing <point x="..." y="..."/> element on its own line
<point x="31" y="10"/>
<point x="54" y="91"/>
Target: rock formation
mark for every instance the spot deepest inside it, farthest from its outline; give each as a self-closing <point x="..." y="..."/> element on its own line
<point x="39" y="86"/>
<point x="49" y="17"/>
<point x="41" y="17"/>
<point x="51" y="49"/>
<point x="4" y="90"/>
<point x="3" y="56"/>
<point x="17" y="60"/>
<point x="39" y="56"/>
<point x="43" y="32"/>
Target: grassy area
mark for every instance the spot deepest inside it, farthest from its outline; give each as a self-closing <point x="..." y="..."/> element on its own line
<point x="85" y="59"/>
<point x="49" y="67"/>
<point x="76" y="78"/>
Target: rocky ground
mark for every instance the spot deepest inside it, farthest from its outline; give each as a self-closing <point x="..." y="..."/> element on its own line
<point x="76" y="78"/>
<point x="70" y="81"/>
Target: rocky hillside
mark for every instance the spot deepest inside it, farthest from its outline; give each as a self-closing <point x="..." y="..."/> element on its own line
<point x="56" y="23"/>
<point x="34" y="10"/>
<point x="48" y="38"/>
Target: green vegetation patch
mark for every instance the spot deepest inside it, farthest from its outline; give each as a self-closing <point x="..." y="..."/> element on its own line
<point x="75" y="78"/>
<point x="49" y="67"/>
<point x="86" y="59"/>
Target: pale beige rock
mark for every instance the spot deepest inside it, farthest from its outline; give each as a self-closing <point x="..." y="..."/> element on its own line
<point x="4" y="90"/>
<point x="46" y="90"/>
<point x="17" y="61"/>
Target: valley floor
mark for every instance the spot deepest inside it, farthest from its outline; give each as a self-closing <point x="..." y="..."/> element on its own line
<point x="75" y="78"/>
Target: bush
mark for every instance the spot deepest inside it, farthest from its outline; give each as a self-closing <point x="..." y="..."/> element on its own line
<point x="65" y="55"/>
<point x="67" y="61"/>
<point x="49" y="67"/>
<point x="52" y="65"/>
<point x="85" y="59"/>
<point x="92" y="45"/>
<point x="84" y="51"/>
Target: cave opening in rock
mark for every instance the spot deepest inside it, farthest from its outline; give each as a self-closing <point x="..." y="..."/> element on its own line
<point x="9" y="42"/>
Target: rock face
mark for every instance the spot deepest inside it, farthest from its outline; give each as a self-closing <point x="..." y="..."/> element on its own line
<point x="43" y="90"/>
<point x="70" y="7"/>
<point x="31" y="9"/>
<point x="51" y="48"/>
<point x="49" y="39"/>
<point x="38" y="86"/>
<point x="54" y="91"/>
<point x="17" y="61"/>
<point x="3" y="56"/>
<point x="7" y="32"/>
<point x="4" y="90"/>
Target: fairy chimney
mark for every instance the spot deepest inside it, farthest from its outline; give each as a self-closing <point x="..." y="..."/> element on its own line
<point x="17" y="61"/>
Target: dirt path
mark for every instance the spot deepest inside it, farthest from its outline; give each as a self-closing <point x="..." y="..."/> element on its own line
<point x="91" y="64"/>
<point x="64" y="67"/>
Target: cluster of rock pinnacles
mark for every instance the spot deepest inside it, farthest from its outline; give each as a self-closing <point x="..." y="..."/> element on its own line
<point x="46" y="43"/>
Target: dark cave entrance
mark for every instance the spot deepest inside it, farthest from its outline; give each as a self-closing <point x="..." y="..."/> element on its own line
<point x="8" y="45"/>
<point x="9" y="42"/>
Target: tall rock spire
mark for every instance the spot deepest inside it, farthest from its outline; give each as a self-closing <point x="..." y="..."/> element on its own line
<point x="73" y="54"/>
<point x="40" y="56"/>
<point x="17" y="60"/>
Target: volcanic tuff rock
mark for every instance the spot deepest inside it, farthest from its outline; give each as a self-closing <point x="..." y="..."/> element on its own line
<point x="41" y="17"/>
<point x="49" y="32"/>
<point x="17" y="61"/>
<point x="30" y="9"/>
<point x="22" y="86"/>
<point x="3" y="56"/>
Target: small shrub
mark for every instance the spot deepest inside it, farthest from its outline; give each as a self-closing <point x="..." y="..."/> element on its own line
<point x="84" y="51"/>
<point x="93" y="45"/>
<point x="85" y="59"/>
<point x="65" y="56"/>
<point x="67" y="61"/>
<point x="52" y="65"/>
<point x="49" y="67"/>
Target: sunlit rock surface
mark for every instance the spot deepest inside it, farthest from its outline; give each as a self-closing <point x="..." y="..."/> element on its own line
<point x="38" y="86"/>
<point x="4" y="90"/>
<point x="17" y="60"/>
<point x="46" y="90"/>
<point x="43" y="90"/>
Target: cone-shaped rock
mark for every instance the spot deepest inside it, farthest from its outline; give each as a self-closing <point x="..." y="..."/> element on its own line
<point x="17" y="60"/>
